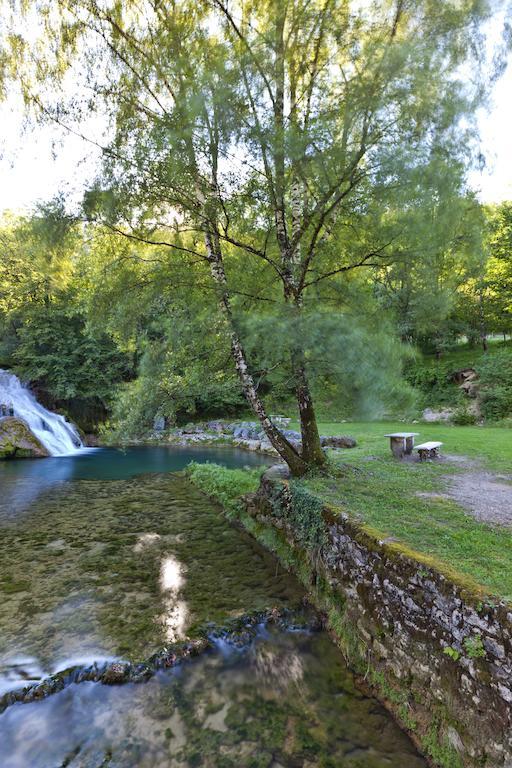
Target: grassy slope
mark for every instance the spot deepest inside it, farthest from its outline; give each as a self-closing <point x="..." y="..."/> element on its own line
<point x="382" y="493"/>
<point x="465" y="356"/>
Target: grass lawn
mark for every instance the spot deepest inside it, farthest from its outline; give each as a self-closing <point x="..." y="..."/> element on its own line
<point x="492" y="445"/>
<point x="382" y="492"/>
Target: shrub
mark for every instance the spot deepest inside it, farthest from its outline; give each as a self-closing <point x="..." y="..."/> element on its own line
<point x="495" y="371"/>
<point x="305" y="516"/>
<point x="224" y="485"/>
<point x="303" y="513"/>
<point x="434" y="381"/>
<point x="474" y="647"/>
<point x="453" y="653"/>
<point x="463" y="416"/>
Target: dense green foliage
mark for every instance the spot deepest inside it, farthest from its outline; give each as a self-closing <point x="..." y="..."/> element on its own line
<point x="54" y="349"/>
<point x="225" y="486"/>
<point x="302" y="511"/>
<point x="45" y="335"/>
<point x="434" y="380"/>
<point x="257" y="227"/>
<point x="131" y="344"/>
<point x="273" y="189"/>
<point x="495" y="372"/>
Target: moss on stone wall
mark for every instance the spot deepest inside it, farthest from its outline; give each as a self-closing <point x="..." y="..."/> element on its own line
<point x="396" y="614"/>
<point x="454" y="722"/>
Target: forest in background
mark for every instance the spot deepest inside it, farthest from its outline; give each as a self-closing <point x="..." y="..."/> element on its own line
<point x="110" y="332"/>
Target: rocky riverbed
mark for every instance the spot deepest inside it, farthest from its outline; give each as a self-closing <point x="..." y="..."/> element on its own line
<point x="106" y="584"/>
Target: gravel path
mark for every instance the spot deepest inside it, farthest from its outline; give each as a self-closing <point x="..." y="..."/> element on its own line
<point x="486" y="495"/>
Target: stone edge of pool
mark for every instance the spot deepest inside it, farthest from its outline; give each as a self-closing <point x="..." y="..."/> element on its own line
<point x="436" y="650"/>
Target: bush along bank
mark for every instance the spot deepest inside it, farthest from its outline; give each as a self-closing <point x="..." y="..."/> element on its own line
<point x="434" y="646"/>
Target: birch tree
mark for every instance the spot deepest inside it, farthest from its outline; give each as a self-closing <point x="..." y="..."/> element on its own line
<point x="253" y="131"/>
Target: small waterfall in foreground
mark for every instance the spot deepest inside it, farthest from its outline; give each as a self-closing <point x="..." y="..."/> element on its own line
<point x="57" y="435"/>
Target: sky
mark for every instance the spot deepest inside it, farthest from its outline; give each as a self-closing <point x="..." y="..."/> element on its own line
<point x="495" y="127"/>
<point x="38" y="163"/>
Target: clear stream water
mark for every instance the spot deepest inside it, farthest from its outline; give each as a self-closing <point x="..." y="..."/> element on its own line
<point x="110" y="555"/>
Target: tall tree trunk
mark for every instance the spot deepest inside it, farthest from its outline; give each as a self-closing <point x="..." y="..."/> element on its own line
<point x="298" y="465"/>
<point x="285" y="449"/>
<point x="312" y="452"/>
<point x="483" y="330"/>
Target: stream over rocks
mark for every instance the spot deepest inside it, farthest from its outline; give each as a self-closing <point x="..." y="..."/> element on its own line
<point x="165" y="636"/>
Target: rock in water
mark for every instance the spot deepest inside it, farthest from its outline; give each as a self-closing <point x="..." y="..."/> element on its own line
<point x="58" y="436"/>
<point x="16" y="439"/>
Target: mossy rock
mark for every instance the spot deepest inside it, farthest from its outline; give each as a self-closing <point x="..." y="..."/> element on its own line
<point x="17" y="441"/>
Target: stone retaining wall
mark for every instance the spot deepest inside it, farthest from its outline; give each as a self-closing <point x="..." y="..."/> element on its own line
<point x="433" y="646"/>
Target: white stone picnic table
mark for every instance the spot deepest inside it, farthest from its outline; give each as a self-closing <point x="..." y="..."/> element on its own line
<point x="401" y="443"/>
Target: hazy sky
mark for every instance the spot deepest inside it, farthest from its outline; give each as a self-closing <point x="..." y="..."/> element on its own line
<point x="36" y="164"/>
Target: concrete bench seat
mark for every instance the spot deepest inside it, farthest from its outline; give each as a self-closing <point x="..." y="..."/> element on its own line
<point x="401" y="443"/>
<point x="429" y="450"/>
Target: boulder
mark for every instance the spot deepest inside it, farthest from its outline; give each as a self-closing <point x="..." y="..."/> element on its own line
<point x="241" y="433"/>
<point x="338" y="441"/>
<point x="217" y="426"/>
<point x="292" y="434"/>
<point x="430" y="415"/>
<point x="267" y="447"/>
<point x="249" y="445"/>
<point x="191" y="429"/>
<point x="16" y="440"/>
<point x="470" y="388"/>
<point x="277" y="472"/>
<point x="466" y="374"/>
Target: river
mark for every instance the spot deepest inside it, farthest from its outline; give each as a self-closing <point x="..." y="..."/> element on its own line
<point x="113" y="554"/>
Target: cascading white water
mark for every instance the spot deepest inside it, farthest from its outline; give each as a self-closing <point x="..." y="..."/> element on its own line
<point x="56" y="434"/>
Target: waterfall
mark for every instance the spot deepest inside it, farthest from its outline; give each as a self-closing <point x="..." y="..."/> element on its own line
<point x="57" y="435"/>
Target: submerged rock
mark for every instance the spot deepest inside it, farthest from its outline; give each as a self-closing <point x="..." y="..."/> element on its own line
<point x="16" y="440"/>
<point x="239" y="632"/>
<point x="116" y="673"/>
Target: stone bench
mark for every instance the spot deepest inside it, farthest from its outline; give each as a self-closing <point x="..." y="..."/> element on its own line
<point x="401" y="443"/>
<point x="428" y="450"/>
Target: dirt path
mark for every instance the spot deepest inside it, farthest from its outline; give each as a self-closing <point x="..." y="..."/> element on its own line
<point x="486" y="495"/>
